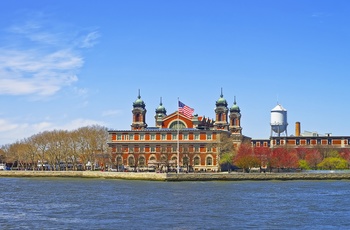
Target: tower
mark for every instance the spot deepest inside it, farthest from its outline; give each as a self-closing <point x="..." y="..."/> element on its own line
<point x="279" y="120"/>
<point x="235" y="119"/>
<point x="139" y="114"/>
<point x="221" y="115"/>
<point x="160" y="114"/>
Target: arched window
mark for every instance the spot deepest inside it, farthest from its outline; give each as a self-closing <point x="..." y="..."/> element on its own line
<point x="119" y="160"/>
<point x="177" y="125"/>
<point x="131" y="161"/>
<point x="209" y="161"/>
<point x="220" y="117"/>
<point x="152" y="158"/>
<point x="185" y="161"/>
<point x="141" y="161"/>
<point x="196" y="161"/>
<point x="137" y="117"/>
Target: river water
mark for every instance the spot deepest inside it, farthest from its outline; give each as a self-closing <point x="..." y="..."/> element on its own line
<point x="65" y="203"/>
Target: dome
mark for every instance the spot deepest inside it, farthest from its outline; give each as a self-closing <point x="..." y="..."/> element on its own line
<point x="161" y="109"/>
<point x="221" y="101"/>
<point x="139" y="102"/>
<point x="235" y="108"/>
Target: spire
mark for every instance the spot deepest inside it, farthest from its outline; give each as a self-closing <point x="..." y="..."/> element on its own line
<point x="221" y="95"/>
<point x="160" y="101"/>
<point x="139" y="96"/>
<point x="234" y="100"/>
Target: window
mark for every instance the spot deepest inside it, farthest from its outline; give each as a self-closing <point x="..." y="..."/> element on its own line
<point x="163" y="136"/>
<point x="131" y="136"/>
<point x="174" y="149"/>
<point x="329" y="141"/>
<point x="141" y="161"/>
<point x="196" y="149"/>
<point x="131" y="161"/>
<point x="209" y="161"/>
<point x="318" y="141"/>
<point x="209" y="149"/>
<point x="209" y="136"/>
<point x="185" y="161"/>
<point x="185" y="136"/>
<point x="153" y="149"/>
<point x="119" y="160"/>
<point x="142" y="149"/>
<point x="177" y="125"/>
<point x="142" y="136"/>
<point x="174" y="136"/>
<point x="153" y="136"/>
<point x="126" y="137"/>
<point x="297" y="141"/>
<point x="196" y="161"/>
<point x="196" y="136"/>
<point x="119" y="137"/>
<point x="308" y="141"/>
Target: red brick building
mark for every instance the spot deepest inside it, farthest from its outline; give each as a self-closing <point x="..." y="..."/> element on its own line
<point x="195" y="140"/>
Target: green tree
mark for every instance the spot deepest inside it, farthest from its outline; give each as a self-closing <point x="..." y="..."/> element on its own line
<point x="304" y="165"/>
<point x="333" y="163"/>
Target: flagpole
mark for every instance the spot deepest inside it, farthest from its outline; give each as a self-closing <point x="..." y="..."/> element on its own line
<point x="178" y="137"/>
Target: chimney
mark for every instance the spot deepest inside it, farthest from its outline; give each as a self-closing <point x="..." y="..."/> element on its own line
<point x="297" y="129"/>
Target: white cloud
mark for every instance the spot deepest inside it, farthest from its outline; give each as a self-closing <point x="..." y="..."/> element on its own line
<point x="110" y="113"/>
<point x="43" y="60"/>
<point x="90" y="40"/>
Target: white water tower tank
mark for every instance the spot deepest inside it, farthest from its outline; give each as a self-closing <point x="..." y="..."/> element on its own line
<point x="279" y="120"/>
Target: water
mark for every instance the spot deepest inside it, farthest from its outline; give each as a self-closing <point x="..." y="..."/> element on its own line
<point x="62" y="203"/>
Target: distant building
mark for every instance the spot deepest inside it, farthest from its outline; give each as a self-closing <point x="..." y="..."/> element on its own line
<point x="306" y="140"/>
<point x="194" y="139"/>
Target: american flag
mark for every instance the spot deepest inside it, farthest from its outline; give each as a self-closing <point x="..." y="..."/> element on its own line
<point x="185" y="110"/>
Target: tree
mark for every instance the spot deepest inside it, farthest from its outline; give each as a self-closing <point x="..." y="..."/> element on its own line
<point x="313" y="158"/>
<point x="264" y="156"/>
<point x="245" y="157"/>
<point x="333" y="163"/>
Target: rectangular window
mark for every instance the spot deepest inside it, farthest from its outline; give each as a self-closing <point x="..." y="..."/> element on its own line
<point x="308" y="141"/>
<point x="174" y="136"/>
<point x="209" y="149"/>
<point x="297" y="142"/>
<point x="185" y="136"/>
<point x="196" y="149"/>
<point x="174" y="148"/>
<point x="209" y="136"/>
<point x="142" y="149"/>
<point x="196" y="136"/>
<point x="153" y="149"/>
<point x="153" y="137"/>
<point x="131" y="136"/>
<point x="142" y="136"/>
<point x="163" y="136"/>
<point x="119" y="137"/>
<point x="131" y="149"/>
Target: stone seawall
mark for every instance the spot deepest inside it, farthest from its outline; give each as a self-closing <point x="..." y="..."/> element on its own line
<point x="181" y="176"/>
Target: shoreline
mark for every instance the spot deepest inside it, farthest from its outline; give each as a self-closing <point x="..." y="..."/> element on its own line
<point x="180" y="177"/>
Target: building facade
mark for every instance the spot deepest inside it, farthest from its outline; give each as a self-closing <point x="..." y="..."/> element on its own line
<point x="192" y="142"/>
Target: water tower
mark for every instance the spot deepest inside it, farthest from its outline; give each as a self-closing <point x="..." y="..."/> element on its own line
<point x="279" y="120"/>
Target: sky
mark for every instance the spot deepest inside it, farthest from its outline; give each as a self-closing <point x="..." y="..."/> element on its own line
<point x="68" y="64"/>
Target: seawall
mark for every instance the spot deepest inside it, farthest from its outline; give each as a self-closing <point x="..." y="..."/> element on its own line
<point x="181" y="176"/>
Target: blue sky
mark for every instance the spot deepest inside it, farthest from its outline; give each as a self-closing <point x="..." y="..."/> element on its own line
<point x="67" y="64"/>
